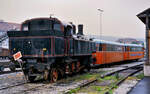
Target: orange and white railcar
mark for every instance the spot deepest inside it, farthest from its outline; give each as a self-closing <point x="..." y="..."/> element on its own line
<point x="110" y="52"/>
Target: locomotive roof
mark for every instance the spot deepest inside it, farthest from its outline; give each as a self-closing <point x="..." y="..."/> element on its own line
<point x="46" y="18"/>
<point x="42" y="18"/>
<point x="116" y="43"/>
<point x="81" y="37"/>
<point x="66" y="24"/>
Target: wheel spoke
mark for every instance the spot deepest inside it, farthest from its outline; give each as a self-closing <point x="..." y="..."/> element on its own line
<point x="54" y="75"/>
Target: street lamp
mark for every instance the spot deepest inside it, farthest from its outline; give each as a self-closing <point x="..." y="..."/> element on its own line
<point x="101" y="11"/>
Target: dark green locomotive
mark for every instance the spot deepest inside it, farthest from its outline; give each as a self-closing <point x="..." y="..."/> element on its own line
<point x="51" y="48"/>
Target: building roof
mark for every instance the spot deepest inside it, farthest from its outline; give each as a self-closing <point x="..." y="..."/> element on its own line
<point x="142" y="16"/>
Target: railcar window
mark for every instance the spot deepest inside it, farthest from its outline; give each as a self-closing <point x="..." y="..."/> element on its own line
<point x="40" y="25"/>
<point x="97" y="46"/>
<point x="126" y="48"/>
<point x="119" y="48"/>
<point x="113" y="48"/>
<point x="109" y="47"/>
<point x="93" y="46"/>
<point x="135" y="49"/>
<point x="100" y="47"/>
<point x="132" y="49"/>
<point x="139" y="49"/>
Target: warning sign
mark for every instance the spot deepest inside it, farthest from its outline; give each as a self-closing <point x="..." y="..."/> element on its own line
<point x="17" y="56"/>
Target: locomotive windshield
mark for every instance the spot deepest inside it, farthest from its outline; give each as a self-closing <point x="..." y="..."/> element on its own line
<point x="41" y="24"/>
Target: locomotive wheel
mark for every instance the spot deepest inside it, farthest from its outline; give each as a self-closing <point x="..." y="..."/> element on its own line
<point x="1" y="68"/>
<point x="54" y="75"/>
<point x="46" y="75"/>
<point x="13" y="68"/>
<point x="31" y="78"/>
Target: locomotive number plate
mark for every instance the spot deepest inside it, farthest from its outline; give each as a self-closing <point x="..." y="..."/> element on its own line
<point x="17" y="56"/>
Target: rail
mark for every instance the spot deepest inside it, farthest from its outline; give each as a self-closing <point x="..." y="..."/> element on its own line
<point x="137" y="67"/>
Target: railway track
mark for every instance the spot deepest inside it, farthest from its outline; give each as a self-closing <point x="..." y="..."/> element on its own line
<point x="62" y="86"/>
<point x="125" y="77"/>
<point x="18" y="84"/>
<point x="126" y="72"/>
<point x="6" y="72"/>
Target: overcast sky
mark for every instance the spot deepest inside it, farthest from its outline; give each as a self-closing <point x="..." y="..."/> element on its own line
<point x="118" y="19"/>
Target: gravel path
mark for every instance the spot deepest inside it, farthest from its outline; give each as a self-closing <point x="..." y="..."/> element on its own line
<point x="126" y="86"/>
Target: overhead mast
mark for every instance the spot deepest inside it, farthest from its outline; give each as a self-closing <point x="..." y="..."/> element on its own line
<point x="51" y="15"/>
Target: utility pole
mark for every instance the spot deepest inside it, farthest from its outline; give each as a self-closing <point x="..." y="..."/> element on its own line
<point x="100" y="16"/>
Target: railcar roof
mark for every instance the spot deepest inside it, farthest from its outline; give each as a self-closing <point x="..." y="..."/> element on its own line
<point x="135" y="45"/>
<point x="116" y="43"/>
<point x="108" y="42"/>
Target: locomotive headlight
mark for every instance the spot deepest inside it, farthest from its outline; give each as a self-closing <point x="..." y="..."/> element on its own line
<point x="44" y="49"/>
<point x="14" y="49"/>
<point x="29" y="42"/>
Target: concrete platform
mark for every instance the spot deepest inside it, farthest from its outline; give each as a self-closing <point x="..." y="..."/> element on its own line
<point x="143" y="87"/>
<point x="146" y="70"/>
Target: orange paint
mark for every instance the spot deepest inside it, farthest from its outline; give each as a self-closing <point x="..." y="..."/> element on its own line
<point x="106" y="57"/>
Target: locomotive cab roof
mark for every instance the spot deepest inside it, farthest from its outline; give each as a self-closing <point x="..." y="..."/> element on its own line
<point x="41" y="21"/>
<point x="48" y="24"/>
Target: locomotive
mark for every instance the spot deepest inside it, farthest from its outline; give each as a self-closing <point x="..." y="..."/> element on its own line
<point x="51" y="48"/>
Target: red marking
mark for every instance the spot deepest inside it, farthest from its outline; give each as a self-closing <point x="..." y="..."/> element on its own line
<point x="68" y="46"/>
<point x="51" y="46"/>
<point x="54" y="45"/>
<point x="42" y="55"/>
<point x="17" y="56"/>
<point x="65" y="47"/>
<point x="73" y="66"/>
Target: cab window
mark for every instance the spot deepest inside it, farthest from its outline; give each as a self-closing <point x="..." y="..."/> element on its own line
<point x="40" y="25"/>
<point x="57" y="26"/>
